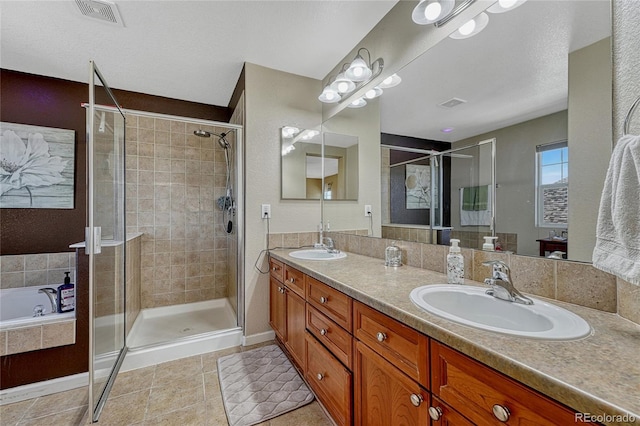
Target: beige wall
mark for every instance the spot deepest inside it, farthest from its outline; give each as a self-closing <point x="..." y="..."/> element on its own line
<point x="590" y="142"/>
<point x="515" y="175"/>
<point x="272" y="99"/>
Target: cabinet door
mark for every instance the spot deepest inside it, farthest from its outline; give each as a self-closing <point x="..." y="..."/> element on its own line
<point x="295" y="327"/>
<point x="384" y="395"/>
<point x="277" y="309"/>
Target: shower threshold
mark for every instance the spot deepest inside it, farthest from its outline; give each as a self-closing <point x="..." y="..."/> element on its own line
<point x="174" y="332"/>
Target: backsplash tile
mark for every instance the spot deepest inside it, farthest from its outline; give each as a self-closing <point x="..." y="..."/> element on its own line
<point x="628" y="300"/>
<point x="480" y="271"/>
<point x="36" y="269"/>
<point x="582" y="284"/>
<point x="534" y="275"/>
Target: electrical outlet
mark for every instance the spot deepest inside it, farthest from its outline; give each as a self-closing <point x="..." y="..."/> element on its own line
<point x="266" y="211"/>
<point x="367" y="210"/>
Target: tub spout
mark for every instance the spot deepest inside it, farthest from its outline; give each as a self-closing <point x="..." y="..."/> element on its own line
<point x="51" y="294"/>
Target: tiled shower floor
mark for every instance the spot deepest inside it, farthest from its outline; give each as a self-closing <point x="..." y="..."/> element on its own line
<point x="184" y="392"/>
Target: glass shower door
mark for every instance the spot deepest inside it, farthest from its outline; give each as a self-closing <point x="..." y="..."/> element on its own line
<point x="105" y="239"/>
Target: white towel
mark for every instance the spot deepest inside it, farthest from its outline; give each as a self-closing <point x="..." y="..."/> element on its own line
<point x="617" y="249"/>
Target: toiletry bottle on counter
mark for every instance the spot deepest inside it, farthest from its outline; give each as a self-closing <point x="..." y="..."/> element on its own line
<point x="455" y="264"/>
<point x="488" y="243"/>
<point x="393" y="255"/>
<point x="66" y="295"/>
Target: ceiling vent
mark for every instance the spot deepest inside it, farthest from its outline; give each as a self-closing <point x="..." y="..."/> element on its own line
<point x="101" y="10"/>
<point x="453" y="102"/>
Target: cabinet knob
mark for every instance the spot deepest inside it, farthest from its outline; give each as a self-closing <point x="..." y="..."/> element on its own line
<point x="320" y="376"/>
<point x="292" y="280"/>
<point x="416" y="399"/>
<point x="381" y="336"/>
<point x="501" y="412"/>
<point x="324" y="331"/>
<point x="323" y="300"/>
<point x="281" y="290"/>
<point x="275" y="268"/>
<point x="435" y="413"/>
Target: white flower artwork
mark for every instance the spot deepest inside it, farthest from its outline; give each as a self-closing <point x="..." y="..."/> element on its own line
<point x="36" y="167"/>
<point x="418" y="186"/>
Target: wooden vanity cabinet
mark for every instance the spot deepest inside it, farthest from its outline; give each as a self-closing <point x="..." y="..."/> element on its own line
<point x="487" y="397"/>
<point x="384" y="395"/>
<point x="443" y="415"/>
<point x="278" y="308"/>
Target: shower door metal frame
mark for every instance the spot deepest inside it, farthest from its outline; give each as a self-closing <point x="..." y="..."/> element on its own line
<point x="93" y="246"/>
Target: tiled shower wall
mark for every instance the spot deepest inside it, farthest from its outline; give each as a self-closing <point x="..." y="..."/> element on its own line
<point x="173" y="181"/>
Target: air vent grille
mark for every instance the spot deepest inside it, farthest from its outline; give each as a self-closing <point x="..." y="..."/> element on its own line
<point x="101" y="10"/>
<point x="453" y="102"/>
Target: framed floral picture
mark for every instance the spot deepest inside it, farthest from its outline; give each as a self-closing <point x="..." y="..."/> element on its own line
<point x="36" y="167"/>
<point x="418" y="186"/>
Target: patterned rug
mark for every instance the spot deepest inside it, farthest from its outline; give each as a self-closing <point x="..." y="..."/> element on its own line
<point x="259" y="385"/>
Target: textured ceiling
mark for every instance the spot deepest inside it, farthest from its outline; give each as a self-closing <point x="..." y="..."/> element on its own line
<point x="191" y="50"/>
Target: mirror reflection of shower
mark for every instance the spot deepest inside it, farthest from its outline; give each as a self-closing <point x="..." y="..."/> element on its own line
<point x="226" y="203"/>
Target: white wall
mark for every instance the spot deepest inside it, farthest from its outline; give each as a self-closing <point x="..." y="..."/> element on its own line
<point x="272" y="99"/>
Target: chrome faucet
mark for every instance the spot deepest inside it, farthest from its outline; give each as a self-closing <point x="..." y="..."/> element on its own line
<point x="52" y="294"/>
<point x="501" y="285"/>
<point x="327" y="244"/>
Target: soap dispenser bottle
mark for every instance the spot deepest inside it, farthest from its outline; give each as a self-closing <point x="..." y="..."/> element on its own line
<point x="66" y="295"/>
<point x="455" y="264"/>
<point x="489" y="243"/>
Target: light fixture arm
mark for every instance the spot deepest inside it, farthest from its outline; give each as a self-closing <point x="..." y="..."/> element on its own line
<point x="368" y="54"/>
<point x="457" y="11"/>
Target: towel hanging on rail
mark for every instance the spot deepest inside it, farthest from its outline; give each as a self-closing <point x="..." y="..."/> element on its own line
<point x="617" y="249"/>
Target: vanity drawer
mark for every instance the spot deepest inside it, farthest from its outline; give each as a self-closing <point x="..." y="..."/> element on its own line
<point x="329" y="301"/>
<point x="330" y="380"/>
<point x="403" y="346"/>
<point x="276" y="269"/>
<point x="294" y="279"/>
<point x="331" y="335"/>
<point x="476" y="391"/>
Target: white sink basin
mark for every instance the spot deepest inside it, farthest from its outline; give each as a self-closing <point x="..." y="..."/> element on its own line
<point x="471" y="306"/>
<point x="317" y="254"/>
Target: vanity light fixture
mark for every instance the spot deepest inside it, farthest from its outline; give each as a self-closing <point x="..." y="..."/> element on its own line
<point x="355" y="75"/>
<point x="359" y="70"/>
<point x="502" y="6"/>
<point x="373" y="93"/>
<point x="391" y="81"/>
<point x="471" y="27"/>
<point x="431" y="11"/>
<point x="358" y="103"/>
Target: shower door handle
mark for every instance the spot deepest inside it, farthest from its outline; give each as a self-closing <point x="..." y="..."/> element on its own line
<point x="93" y="240"/>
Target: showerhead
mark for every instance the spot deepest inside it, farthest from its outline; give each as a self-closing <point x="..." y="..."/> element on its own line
<point x="221" y="137"/>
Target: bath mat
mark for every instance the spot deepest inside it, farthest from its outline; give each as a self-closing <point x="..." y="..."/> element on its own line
<point x="259" y="385"/>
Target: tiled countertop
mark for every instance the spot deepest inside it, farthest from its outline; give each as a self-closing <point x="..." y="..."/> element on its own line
<point x="599" y="374"/>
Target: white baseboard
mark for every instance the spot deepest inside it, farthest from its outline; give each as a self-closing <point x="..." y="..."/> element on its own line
<point x="47" y="387"/>
<point x="254" y="339"/>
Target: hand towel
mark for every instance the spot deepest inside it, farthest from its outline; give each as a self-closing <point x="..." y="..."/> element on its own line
<point x="617" y="249"/>
<point x="475" y="198"/>
<point x="476" y="217"/>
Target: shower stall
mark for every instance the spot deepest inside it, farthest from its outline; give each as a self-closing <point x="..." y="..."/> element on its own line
<point x="184" y="198"/>
<point x="164" y="239"/>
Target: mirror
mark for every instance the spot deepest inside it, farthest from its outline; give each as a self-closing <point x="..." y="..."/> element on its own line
<point x="305" y="176"/>
<point x="536" y="75"/>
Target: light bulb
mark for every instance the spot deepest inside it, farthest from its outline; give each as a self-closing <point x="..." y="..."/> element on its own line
<point x="468" y="28"/>
<point x="387" y="80"/>
<point x="432" y="11"/>
<point x="330" y="96"/>
<point x="343" y="87"/>
<point x="358" y="71"/>
<point x="506" y="4"/>
<point x="370" y="94"/>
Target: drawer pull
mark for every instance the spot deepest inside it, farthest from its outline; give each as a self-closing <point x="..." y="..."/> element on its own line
<point x="416" y="399"/>
<point x="381" y="336"/>
<point x="501" y="412"/>
<point x="320" y="376"/>
<point x="275" y="268"/>
<point x="435" y="413"/>
<point x="281" y="290"/>
<point x="323" y="300"/>
<point x="292" y="280"/>
<point x="324" y="331"/>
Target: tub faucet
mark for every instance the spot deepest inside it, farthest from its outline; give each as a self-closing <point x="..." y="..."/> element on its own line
<point x="51" y="294"/>
<point x="501" y="285"/>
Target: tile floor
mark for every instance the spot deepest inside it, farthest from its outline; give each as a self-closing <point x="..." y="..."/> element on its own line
<point x="184" y="392"/>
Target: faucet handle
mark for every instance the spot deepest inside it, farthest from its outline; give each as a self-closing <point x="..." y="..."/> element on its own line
<point x="499" y="269"/>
